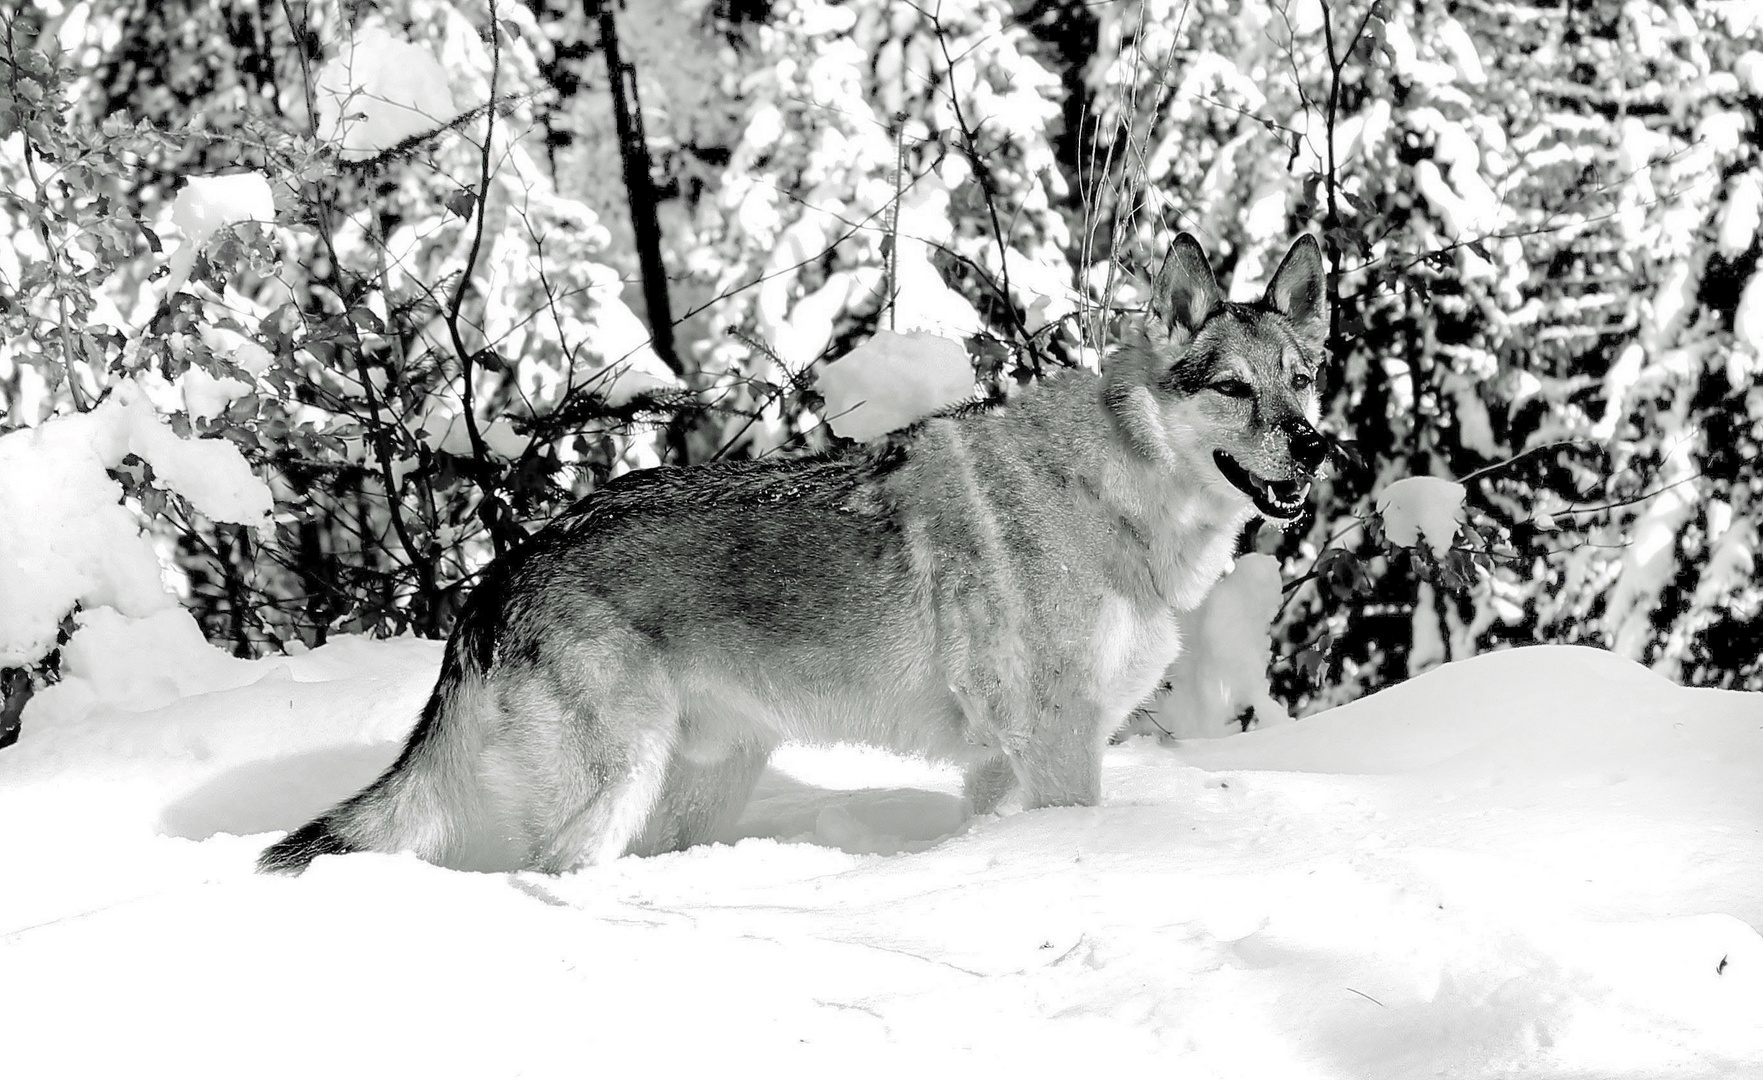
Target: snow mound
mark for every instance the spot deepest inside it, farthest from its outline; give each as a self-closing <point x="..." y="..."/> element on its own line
<point x="893" y="380"/>
<point x="1543" y="862"/>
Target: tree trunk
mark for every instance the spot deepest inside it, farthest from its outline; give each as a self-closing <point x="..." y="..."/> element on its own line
<point x="639" y="185"/>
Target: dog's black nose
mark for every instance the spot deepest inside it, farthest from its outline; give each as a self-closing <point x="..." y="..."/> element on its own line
<point x="1309" y="446"/>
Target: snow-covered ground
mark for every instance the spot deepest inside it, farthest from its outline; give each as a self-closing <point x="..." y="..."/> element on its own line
<point x="1540" y="863"/>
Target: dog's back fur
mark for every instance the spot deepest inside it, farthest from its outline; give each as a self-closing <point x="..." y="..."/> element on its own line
<point x="997" y="589"/>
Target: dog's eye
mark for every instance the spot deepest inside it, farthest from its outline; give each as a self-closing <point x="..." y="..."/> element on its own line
<point x="1302" y="382"/>
<point x="1236" y="388"/>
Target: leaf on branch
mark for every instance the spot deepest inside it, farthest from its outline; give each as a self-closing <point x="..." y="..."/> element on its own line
<point x="1377" y="33"/>
<point x="489" y="359"/>
<point x="462" y="203"/>
<point x="366" y="319"/>
<point x="1341" y="571"/>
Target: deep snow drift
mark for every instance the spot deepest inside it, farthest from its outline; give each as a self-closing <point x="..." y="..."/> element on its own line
<point x="1545" y="862"/>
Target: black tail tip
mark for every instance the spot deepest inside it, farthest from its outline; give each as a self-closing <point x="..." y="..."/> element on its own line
<point x="295" y="851"/>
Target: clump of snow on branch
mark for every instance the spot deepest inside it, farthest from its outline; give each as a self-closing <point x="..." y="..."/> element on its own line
<point x="379" y="91"/>
<point x="66" y="537"/>
<point x="1222" y="671"/>
<point x="205" y="396"/>
<point x="1417" y="508"/>
<point x="922" y="301"/>
<point x="1748" y="319"/>
<point x="137" y="665"/>
<point x="208" y="204"/>
<point x="853" y="158"/>
<point x="893" y="380"/>
<point x="441" y="426"/>
<point x="631" y="365"/>
<point x="1649" y="558"/>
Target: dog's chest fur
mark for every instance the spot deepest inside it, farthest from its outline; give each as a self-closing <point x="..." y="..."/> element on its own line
<point x="1131" y="648"/>
<point x="1053" y="550"/>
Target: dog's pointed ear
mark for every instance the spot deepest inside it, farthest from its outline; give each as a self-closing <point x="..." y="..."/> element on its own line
<point x="1185" y="292"/>
<point x="1296" y="288"/>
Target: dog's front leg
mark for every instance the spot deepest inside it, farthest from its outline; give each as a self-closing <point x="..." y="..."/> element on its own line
<point x="988" y="783"/>
<point x="1059" y="763"/>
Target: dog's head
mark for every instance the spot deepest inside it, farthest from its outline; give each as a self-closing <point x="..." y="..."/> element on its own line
<point x="1228" y="390"/>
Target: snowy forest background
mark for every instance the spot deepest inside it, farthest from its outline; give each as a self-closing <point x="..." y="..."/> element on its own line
<point x="431" y="329"/>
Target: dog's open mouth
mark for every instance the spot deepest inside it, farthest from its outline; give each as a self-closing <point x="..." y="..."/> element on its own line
<point x="1274" y="498"/>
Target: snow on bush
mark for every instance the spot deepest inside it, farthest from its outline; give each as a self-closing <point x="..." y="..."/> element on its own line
<point x="206" y="397"/>
<point x="1422" y="507"/>
<point x="893" y="380"/>
<point x="65" y="536"/>
<point x="922" y="301"/>
<point x="379" y="91"/>
<point x="631" y="367"/>
<point x="442" y="427"/>
<point x="1222" y="669"/>
<point x="136" y="665"/>
<point x="208" y="204"/>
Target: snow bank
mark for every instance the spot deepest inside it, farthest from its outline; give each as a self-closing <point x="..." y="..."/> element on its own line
<point x="893" y="380"/>
<point x="65" y="536"/>
<point x="1542" y="862"/>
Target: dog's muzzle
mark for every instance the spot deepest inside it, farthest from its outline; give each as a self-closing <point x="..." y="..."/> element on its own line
<point x="1281" y="499"/>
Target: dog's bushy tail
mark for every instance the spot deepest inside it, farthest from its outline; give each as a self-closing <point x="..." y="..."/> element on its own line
<point x="427" y="801"/>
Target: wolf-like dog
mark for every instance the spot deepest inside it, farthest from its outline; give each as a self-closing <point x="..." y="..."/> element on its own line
<point x="997" y="589"/>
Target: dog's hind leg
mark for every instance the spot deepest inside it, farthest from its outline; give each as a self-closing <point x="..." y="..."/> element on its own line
<point x="704" y="793"/>
<point x="618" y="788"/>
<point x="578" y="759"/>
